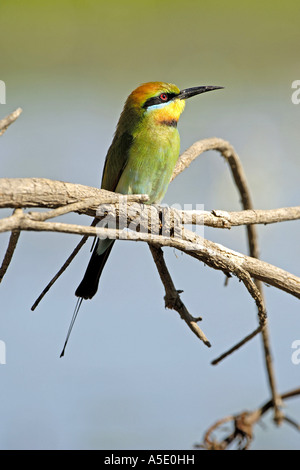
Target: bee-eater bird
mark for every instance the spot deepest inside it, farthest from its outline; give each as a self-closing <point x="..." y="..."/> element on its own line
<point x="140" y="160"/>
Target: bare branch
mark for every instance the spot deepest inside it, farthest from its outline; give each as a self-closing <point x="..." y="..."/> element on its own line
<point x="213" y="254"/>
<point x="13" y="240"/>
<point x="258" y="216"/>
<point x="237" y="346"/>
<point x="42" y="192"/>
<point x="172" y="297"/>
<point x="243" y="424"/>
<point x="8" y="120"/>
<point x="262" y="315"/>
<point x="228" y="152"/>
<point x="166" y="229"/>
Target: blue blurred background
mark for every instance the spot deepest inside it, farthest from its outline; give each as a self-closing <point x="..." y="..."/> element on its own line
<point x="134" y="376"/>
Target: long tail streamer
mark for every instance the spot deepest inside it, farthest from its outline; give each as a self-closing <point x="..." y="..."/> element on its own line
<point x="76" y="310"/>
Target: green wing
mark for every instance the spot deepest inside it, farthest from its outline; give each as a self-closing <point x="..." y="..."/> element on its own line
<point x="116" y="160"/>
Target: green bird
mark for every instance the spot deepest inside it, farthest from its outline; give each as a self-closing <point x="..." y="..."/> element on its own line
<point x="140" y="160"/>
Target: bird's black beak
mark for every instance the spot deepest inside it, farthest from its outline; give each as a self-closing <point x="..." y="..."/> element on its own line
<point x="196" y="90"/>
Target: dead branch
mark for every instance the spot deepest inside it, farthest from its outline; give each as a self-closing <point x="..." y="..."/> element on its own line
<point x="214" y="255"/>
<point x="8" y="120"/>
<point x="172" y="297"/>
<point x="227" y="151"/>
<point x="243" y="424"/>
<point x="45" y="193"/>
<point x="13" y="240"/>
<point x="62" y="198"/>
<point x="51" y="194"/>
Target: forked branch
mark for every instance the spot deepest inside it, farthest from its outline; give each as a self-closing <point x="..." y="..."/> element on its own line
<point x="164" y="227"/>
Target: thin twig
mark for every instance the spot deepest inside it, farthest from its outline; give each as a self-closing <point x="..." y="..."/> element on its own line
<point x="172" y="297"/>
<point x="262" y="315"/>
<point x="13" y="240"/>
<point x="8" y="120"/>
<point x="62" y="210"/>
<point x="63" y="268"/>
<point x="236" y="346"/>
<point x="256" y="294"/>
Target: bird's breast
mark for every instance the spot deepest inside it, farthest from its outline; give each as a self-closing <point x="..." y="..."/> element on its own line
<point x="152" y="158"/>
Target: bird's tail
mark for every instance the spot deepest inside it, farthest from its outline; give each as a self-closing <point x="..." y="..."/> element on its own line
<point x="89" y="284"/>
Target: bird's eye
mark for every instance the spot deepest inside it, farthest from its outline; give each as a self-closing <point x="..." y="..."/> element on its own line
<point x="164" y="96"/>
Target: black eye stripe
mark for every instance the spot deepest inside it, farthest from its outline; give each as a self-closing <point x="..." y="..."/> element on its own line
<point x="157" y="99"/>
